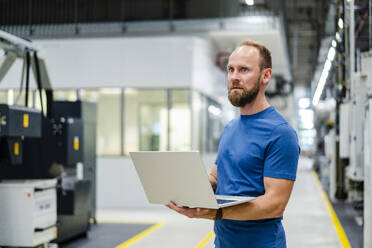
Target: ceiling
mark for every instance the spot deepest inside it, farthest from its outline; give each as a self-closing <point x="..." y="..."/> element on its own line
<point x="305" y="22"/>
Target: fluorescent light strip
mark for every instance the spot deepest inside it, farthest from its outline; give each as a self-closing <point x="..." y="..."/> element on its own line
<point x="327" y="66"/>
<point x="325" y="72"/>
<point x="320" y="87"/>
<point x="331" y="54"/>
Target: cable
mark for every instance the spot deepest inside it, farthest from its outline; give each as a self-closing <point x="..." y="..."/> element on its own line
<point x="38" y="80"/>
<point x="28" y="65"/>
<point x="28" y="80"/>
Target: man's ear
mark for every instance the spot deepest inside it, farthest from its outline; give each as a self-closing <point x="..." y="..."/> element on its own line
<point x="267" y="73"/>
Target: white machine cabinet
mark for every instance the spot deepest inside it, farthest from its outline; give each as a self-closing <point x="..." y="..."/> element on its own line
<point x="28" y="212"/>
<point x="367" y="72"/>
<point x="355" y="170"/>
<point x="345" y="119"/>
<point x="368" y="178"/>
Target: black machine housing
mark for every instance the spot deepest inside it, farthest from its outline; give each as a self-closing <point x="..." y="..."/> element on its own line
<point x="52" y="152"/>
<point x="16" y="123"/>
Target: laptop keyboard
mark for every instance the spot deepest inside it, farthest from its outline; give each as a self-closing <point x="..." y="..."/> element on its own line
<point x="222" y="201"/>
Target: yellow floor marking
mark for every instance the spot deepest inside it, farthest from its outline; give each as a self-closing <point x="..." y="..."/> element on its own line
<point x="205" y="240"/>
<point x="340" y="231"/>
<point x="103" y="221"/>
<point x="141" y="235"/>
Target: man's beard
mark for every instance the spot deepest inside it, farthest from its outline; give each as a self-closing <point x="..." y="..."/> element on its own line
<point x="243" y="97"/>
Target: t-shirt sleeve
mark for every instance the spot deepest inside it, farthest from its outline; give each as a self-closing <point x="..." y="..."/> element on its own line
<point x="281" y="153"/>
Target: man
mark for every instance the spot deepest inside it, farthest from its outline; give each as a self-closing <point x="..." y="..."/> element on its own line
<point x="257" y="156"/>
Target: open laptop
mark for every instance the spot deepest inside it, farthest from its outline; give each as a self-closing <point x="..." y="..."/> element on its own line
<point x="179" y="177"/>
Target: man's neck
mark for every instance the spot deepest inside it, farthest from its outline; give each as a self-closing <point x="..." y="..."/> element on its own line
<point x="259" y="104"/>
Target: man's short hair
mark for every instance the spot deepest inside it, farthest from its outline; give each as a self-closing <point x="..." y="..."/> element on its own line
<point x="264" y="53"/>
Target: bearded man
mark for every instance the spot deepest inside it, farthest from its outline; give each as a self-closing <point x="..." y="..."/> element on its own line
<point x="257" y="156"/>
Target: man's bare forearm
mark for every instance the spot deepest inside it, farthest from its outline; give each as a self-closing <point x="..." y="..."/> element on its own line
<point x="270" y="205"/>
<point x="261" y="208"/>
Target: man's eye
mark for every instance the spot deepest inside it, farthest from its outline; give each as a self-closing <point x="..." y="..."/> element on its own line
<point x="230" y="69"/>
<point x="244" y="69"/>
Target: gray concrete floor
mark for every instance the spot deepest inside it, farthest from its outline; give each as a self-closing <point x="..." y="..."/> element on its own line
<point x="306" y="220"/>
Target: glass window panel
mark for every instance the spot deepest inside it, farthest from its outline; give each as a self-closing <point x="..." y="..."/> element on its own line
<point x="214" y="124"/>
<point x="4" y="96"/>
<point x="20" y="98"/>
<point x="91" y="95"/>
<point x="11" y="97"/>
<point x="108" y="119"/>
<point x="36" y="96"/>
<point x="64" y="95"/>
<point x="14" y="97"/>
<point x="180" y="121"/>
<point x="145" y="120"/>
<point x="199" y="117"/>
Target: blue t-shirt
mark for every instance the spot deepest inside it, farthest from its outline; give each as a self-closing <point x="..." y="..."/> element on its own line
<point x="253" y="147"/>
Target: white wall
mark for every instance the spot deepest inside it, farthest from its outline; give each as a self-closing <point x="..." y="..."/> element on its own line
<point x="118" y="185"/>
<point x="139" y="62"/>
<point x="115" y="62"/>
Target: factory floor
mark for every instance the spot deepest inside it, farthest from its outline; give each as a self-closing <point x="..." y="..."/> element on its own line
<point x="309" y="221"/>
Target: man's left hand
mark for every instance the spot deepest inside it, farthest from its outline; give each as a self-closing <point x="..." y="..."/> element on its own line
<point x="203" y="213"/>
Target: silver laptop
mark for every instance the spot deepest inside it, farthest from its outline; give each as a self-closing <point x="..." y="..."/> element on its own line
<point x="179" y="177"/>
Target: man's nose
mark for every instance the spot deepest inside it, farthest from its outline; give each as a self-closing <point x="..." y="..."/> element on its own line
<point x="234" y="77"/>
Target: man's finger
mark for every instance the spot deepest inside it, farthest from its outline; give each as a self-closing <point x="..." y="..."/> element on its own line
<point x="173" y="206"/>
<point x="189" y="212"/>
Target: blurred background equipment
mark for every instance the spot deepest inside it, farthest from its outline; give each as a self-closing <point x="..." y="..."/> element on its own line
<point x="38" y="146"/>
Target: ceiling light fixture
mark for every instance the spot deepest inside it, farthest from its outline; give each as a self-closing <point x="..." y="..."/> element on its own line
<point x="334" y="43"/>
<point x="249" y="2"/>
<point x="323" y="77"/>
<point x="340" y="23"/>
<point x="331" y="54"/>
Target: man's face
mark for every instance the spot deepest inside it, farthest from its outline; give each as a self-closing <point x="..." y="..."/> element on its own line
<point x="244" y="75"/>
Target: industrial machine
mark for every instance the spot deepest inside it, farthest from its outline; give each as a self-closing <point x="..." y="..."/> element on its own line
<point x="39" y="146"/>
<point x="326" y="155"/>
<point x="367" y="75"/>
<point x="28" y="215"/>
<point x="352" y="120"/>
<point x="349" y="160"/>
<point x="354" y="171"/>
